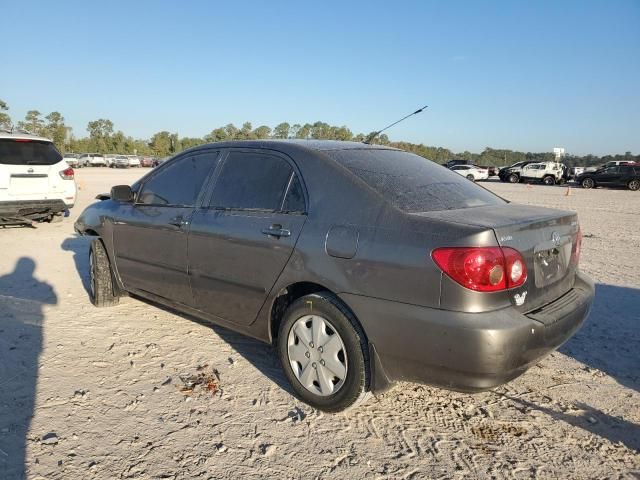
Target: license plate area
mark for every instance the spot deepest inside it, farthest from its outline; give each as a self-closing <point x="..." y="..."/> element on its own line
<point x="27" y="184"/>
<point x="551" y="263"/>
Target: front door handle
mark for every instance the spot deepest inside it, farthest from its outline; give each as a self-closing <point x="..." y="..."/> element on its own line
<point x="276" y="231"/>
<point x="178" y="222"/>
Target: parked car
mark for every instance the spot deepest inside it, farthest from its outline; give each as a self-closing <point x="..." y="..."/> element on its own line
<point x="615" y="176"/>
<point x="549" y="173"/>
<point x="120" y="162"/>
<point x="512" y="174"/>
<point x="134" y="160"/>
<point x="574" y="172"/>
<point x="396" y="269"/>
<point x="36" y="183"/>
<point x="493" y="170"/>
<point x="147" y="161"/>
<point x="72" y="160"/>
<point x="471" y="172"/>
<point x="614" y="163"/>
<point x="453" y="163"/>
<point x="160" y="161"/>
<point x="109" y="159"/>
<point x="93" y="160"/>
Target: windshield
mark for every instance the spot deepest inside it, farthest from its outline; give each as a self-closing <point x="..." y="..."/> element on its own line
<point x="412" y="183"/>
<point x="28" y="152"/>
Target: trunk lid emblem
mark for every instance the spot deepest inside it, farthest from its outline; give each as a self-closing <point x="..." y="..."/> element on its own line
<point x="555" y="238"/>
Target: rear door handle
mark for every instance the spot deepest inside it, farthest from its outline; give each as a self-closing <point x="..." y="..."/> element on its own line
<point x="276" y="231"/>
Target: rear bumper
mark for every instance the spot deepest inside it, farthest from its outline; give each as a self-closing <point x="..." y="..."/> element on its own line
<point x="466" y="351"/>
<point x="13" y="212"/>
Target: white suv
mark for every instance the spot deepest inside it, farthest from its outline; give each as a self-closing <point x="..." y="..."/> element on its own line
<point x="36" y="183"/>
<point x="93" y="159"/>
<point x="548" y="173"/>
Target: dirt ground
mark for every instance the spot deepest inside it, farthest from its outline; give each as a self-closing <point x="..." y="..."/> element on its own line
<point x="136" y="391"/>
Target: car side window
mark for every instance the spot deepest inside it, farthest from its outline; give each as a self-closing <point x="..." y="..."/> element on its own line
<point x="178" y="183"/>
<point x="294" y="200"/>
<point x="251" y="180"/>
<point x="611" y="170"/>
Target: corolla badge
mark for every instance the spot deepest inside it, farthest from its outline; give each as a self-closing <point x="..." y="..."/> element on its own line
<point x="30" y="170"/>
<point x="555" y="238"/>
<point x="519" y="298"/>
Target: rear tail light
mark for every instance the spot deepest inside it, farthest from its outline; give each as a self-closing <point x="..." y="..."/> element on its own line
<point x="67" y="174"/>
<point x="577" y="247"/>
<point x="483" y="269"/>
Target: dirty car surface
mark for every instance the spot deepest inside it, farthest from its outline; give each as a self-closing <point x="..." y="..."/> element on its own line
<point x="363" y="265"/>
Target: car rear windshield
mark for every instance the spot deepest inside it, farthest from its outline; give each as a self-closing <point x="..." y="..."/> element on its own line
<point x="28" y="152"/>
<point x="413" y="183"/>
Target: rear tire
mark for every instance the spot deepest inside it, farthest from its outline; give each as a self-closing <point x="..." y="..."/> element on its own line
<point x="588" y="183"/>
<point x="471" y="177"/>
<point x="514" y="178"/>
<point x="56" y="218"/>
<point x="634" y="185"/>
<point x="101" y="289"/>
<point x="299" y="330"/>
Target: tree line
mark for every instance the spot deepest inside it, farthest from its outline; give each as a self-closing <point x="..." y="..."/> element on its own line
<point x="103" y="138"/>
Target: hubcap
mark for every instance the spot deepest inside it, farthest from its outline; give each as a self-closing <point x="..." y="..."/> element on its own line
<point x="91" y="274"/>
<point x="317" y="355"/>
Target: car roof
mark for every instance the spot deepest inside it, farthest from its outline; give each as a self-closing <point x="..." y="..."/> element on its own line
<point x="22" y="136"/>
<point x="317" y="145"/>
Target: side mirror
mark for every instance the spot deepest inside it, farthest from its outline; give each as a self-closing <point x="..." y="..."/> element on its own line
<point x="122" y="193"/>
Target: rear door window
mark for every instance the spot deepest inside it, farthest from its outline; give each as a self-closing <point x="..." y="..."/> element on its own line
<point x="178" y="183"/>
<point x="28" y="152"/>
<point x="251" y="181"/>
<point x="413" y="183"/>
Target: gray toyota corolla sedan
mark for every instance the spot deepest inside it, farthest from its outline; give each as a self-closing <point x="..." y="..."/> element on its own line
<point x="363" y="265"/>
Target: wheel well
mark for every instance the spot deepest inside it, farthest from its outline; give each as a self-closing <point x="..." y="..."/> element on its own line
<point x="91" y="233"/>
<point x="285" y="298"/>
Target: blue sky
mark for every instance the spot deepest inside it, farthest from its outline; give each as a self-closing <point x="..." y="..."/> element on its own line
<point x="526" y="75"/>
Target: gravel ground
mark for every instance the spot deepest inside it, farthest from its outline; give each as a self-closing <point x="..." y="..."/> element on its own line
<point x="136" y="391"/>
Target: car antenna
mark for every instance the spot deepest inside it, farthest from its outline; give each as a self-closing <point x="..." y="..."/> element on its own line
<point x="373" y="135"/>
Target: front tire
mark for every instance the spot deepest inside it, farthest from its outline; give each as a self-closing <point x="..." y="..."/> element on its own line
<point x="549" y="180"/>
<point x="634" y="185"/>
<point x="101" y="289"/>
<point x="324" y="353"/>
<point x="514" y="178"/>
<point x="588" y="183"/>
<point x="471" y="177"/>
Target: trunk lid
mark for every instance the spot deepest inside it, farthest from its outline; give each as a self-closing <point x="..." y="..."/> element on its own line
<point x="544" y="237"/>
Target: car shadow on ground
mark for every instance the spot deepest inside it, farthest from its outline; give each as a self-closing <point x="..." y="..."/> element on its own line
<point x="609" y="340"/>
<point x="80" y="248"/>
<point x="22" y="300"/>
<point x="615" y="429"/>
<point x="261" y="355"/>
